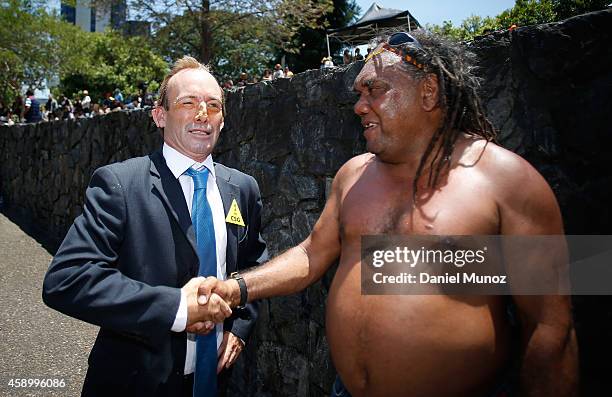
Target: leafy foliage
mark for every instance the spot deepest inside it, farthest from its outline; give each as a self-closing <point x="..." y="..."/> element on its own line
<point x="311" y="41"/>
<point x="31" y="46"/>
<point x="111" y="61"/>
<point x="523" y="13"/>
<point x="38" y="46"/>
<point x="472" y="26"/>
<point x="527" y="12"/>
<point x="230" y="35"/>
<point x="238" y="47"/>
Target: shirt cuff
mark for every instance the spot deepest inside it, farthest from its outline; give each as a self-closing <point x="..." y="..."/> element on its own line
<point x="180" y="321"/>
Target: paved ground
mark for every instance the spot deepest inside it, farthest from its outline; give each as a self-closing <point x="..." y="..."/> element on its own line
<point x="35" y="341"/>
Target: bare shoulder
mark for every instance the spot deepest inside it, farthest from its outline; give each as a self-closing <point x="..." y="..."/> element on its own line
<point x="356" y="163"/>
<point x="505" y="170"/>
<point x="352" y="169"/>
<point x="525" y="200"/>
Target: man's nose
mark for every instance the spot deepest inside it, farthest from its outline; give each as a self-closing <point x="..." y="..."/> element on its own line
<point x="202" y="113"/>
<point x="361" y="107"/>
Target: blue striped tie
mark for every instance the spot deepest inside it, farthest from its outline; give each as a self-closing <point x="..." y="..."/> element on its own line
<point x="205" y="380"/>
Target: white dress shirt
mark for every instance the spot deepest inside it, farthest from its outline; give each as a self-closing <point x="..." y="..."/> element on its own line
<point x="178" y="164"/>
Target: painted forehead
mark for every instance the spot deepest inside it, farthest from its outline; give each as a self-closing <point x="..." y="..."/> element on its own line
<point x="193" y="82"/>
<point x="381" y="67"/>
<point x="383" y="55"/>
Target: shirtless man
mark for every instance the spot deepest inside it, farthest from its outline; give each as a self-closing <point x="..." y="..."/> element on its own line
<point x="417" y="99"/>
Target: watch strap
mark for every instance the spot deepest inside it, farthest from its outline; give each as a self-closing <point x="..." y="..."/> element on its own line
<point x="243" y="289"/>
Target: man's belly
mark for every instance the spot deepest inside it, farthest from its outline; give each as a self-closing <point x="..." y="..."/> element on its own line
<point x="414" y="345"/>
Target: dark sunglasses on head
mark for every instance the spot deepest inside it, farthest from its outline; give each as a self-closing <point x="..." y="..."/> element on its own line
<point x="396" y="40"/>
<point x="401" y="38"/>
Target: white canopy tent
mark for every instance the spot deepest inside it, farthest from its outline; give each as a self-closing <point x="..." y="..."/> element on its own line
<point x="376" y="21"/>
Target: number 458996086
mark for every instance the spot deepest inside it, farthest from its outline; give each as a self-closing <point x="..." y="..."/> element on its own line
<point x="36" y="382"/>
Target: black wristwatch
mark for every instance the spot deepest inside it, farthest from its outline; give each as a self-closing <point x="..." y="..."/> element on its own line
<point x="243" y="289"/>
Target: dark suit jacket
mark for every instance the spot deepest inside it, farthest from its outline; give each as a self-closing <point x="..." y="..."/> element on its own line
<point x="123" y="262"/>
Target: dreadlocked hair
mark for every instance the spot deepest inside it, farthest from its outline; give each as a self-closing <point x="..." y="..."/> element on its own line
<point x="454" y="66"/>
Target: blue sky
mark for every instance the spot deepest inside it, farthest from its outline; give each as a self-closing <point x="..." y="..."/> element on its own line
<point x="426" y="11"/>
<point x="437" y="11"/>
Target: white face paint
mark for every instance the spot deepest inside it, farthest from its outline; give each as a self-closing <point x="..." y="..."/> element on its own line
<point x="389" y="107"/>
<point x="194" y="119"/>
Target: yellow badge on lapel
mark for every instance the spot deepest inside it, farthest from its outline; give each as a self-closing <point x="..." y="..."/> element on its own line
<point x="234" y="216"/>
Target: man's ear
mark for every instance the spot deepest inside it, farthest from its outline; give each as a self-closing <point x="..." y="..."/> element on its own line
<point x="159" y="116"/>
<point x="430" y="92"/>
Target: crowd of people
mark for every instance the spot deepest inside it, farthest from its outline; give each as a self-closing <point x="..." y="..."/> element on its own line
<point x="347" y="58"/>
<point x="29" y="109"/>
<point x="268" y="75"/>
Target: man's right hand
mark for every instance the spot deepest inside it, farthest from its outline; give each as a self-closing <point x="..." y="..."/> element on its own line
<point x="229" y="290"/>
<point x="208" y="311"/>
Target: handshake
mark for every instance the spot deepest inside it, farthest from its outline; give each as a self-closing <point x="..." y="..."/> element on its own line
<point x="209" y="301"/>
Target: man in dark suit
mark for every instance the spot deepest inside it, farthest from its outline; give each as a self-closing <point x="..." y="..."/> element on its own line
<point x="128" y="263"/>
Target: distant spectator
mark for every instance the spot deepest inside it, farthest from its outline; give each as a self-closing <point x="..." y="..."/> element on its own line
<point x="66" y="108"/>
<point x="368" y="51"/>
<point x="115" y="104"/>
<point x="267" y="75"/>
<point x="107" y="99"/>
<point x="9" y="118"/>
<point x="346" y="57"/>
<point x="358" y="56"/>
<point x="278" y="72"/>
<point x="288" y="73"/>
<point x="4" y="113"/>
<point x="136" y="102"/>
<point x="148" y="100"/>
<point x="327" y="62"/>
<point x="228" y="85"/>
<point x="96" y="110"/>
<point x="18" y="108"/>
<point x="78" y="108"/>
<point x="86" y="102"/>
<point x="243" y="80"/>
<point x="51" y="107"/>
<point x="32" y="112"/>
<point x="118" y="95"/>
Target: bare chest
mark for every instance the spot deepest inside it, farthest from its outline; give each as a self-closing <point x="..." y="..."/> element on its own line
<point x="383" y="206"/>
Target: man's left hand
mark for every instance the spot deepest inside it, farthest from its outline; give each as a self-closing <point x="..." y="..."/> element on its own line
<point x="228" y="352"/>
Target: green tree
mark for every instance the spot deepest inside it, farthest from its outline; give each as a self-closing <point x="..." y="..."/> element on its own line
<point x="311" y="42"/>
<point x="471" y="27"/>
<point x="527" y="12"/>
<point x="523" y="13"/>
<point x="34" y="45"/>
<point x="446" y="29"/>
<point x="238" y="47"/>
<point x="475" y="25"/>
<point x="565" y="9"/>
<point x="38" y="46"/>
<point x="111" y="61"/>
<point x="208" y="25"/>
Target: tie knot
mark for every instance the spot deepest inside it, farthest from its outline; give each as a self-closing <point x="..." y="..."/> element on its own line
<point x="199" y="178"/>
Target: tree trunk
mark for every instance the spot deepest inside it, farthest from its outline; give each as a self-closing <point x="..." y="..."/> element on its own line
<point x="205" y="34"/>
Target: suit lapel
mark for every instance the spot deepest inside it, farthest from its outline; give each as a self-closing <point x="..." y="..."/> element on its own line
<point x="229" y="192"/>
<point x="169" y="191"/>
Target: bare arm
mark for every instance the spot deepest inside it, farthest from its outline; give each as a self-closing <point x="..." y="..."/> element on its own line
<point x="296" y="268"/>
<point x="550" y="353"/>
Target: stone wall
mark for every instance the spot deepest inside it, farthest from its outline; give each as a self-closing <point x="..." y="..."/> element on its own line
<point x="45" y="167"/>
<point x="547" y="89"/>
